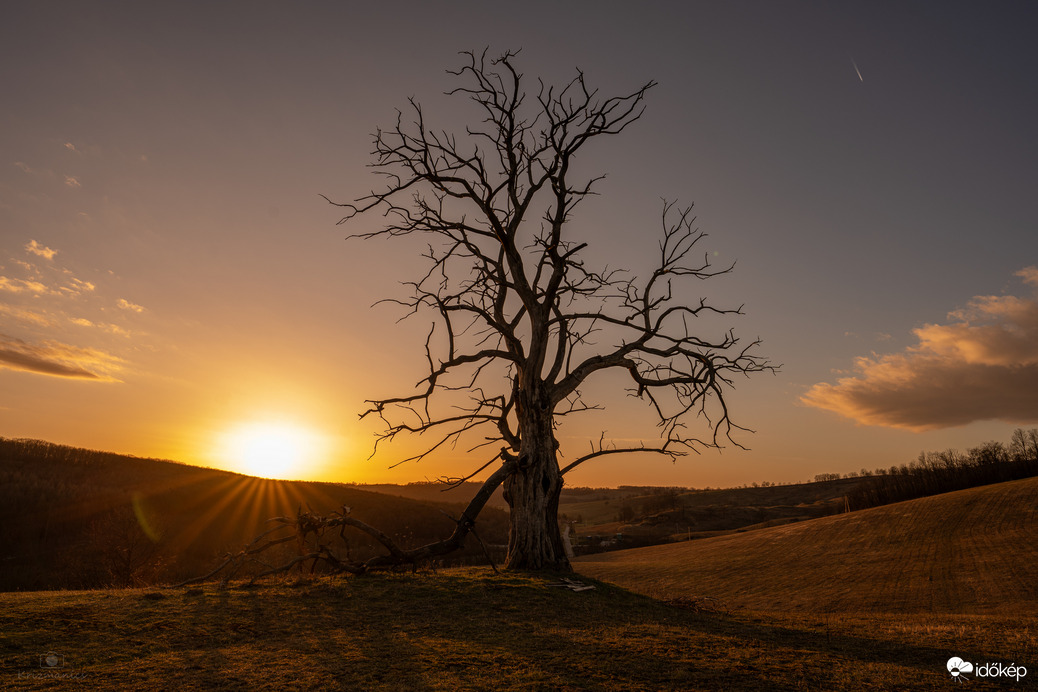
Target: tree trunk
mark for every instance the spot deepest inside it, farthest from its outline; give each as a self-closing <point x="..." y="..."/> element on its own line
<point x="532" y="493"/>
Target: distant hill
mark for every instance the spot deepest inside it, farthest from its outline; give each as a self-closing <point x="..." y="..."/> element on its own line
<point x="634" y="516"/>
<point x="75" y="518"/>
<point x="631" y="517"/>
<point x="969" y="551"/>
<point x="433" y="491"/>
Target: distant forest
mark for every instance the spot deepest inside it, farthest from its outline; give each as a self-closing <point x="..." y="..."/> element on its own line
<point x="934" y="473"/>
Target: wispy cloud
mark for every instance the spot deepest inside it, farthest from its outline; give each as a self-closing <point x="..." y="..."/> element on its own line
<point x="10" y="285"/>
<point x="76" y="286"/>
<point x="127" y="305"/>
<point x="981" y="365"/>
<point x="103" y="326"/>
<point x="72" y="181"/>
<point x="31" y="317"/>
<point x="40" y="250"/>
<point x="58" y="282"/>
<point x="58" y="360"/>
<point x="58" y="324"/>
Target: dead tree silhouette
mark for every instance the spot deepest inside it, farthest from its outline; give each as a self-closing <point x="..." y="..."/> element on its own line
<point x="515" y="305"/>
<point x="521" y="322"/>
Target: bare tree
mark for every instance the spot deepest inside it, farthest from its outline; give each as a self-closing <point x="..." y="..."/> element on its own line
<point x="1024" y="444"/>
<point x="520" y="321"/>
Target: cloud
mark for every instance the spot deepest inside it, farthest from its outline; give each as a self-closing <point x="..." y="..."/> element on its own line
<point x="22" y="286"/>
<point x="57" y="359"/>
<point x="116" y="329"/>
<point x="28" y="316"/>
<point x="103" y="326"/>
<point x="76" y="286"/>
<point x="982" y="365"/>
<point x="127" y="305"/>
<point x="40" y="250"/>
<point x="71" y="147"/>
<point x="62" y="281"/>
<point x="72" y="181"/>
<point x="57" y="324"/>
<point x="1029" y="275"/>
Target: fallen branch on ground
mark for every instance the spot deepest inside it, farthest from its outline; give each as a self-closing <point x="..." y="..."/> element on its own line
<point x="308" y="530"/>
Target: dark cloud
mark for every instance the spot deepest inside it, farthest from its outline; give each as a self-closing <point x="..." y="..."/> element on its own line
<point x="56" y="359"/>
<point x="983" y="365"/>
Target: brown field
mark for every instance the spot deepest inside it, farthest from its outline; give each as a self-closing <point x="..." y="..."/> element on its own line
<point x="971" y="551"/>
<point x="473" y="630"/>
<point x="876" y="599"/>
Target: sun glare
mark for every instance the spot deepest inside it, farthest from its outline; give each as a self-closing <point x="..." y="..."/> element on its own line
<point x="271" y="449"/>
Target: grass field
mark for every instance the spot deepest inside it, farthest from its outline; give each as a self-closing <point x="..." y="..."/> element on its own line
<point x="873" y="600"/>
<point x="971" y="551"/>
<point x="471" y="630"/>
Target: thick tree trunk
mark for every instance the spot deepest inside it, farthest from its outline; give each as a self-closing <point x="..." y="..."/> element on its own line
<point x="532" y="492"/>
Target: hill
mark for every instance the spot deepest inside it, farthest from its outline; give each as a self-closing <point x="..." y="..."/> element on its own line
<point x="651" y="514"/>
<point x="630" y="516"/>
<point x="469" y="630"/>
<point x="75" y="518"/>
<point x="969" y="551"/>
<point x="433" y="491"/>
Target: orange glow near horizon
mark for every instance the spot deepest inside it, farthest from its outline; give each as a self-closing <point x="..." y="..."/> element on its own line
<point x="271" y="449"/>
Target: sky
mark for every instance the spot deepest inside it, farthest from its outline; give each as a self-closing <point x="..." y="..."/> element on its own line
<point x="171" y="278"/>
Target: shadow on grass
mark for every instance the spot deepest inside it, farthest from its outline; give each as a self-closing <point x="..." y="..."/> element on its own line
<point x="467" y="630"/>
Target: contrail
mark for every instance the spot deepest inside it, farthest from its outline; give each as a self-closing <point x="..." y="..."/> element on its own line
<point x="857" y="70"/>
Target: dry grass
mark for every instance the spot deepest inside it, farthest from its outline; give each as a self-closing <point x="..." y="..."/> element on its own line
<point x="469" y="630"/>
<point x="971" y="551"/>
<point x="879" y="599"/>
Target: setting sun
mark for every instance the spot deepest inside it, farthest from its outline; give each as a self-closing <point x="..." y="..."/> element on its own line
<point x="270" y="449"/>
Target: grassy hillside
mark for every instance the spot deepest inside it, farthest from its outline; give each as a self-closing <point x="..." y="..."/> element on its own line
<point x="75" y="518"/>
<point x="971" y="551"/>
<point x="876" y="599"/>
<point x="469" y="630"/>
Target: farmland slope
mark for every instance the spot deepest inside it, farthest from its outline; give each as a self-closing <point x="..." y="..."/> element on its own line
<point x="970" y="551"/>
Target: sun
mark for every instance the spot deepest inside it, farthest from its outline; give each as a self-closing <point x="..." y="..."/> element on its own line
<point x="270" y="449"/>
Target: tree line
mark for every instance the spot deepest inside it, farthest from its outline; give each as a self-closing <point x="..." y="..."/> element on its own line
<point x="933" y="473"/>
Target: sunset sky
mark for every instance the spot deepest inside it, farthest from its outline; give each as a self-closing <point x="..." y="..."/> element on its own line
<point x="171" y="277"/>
